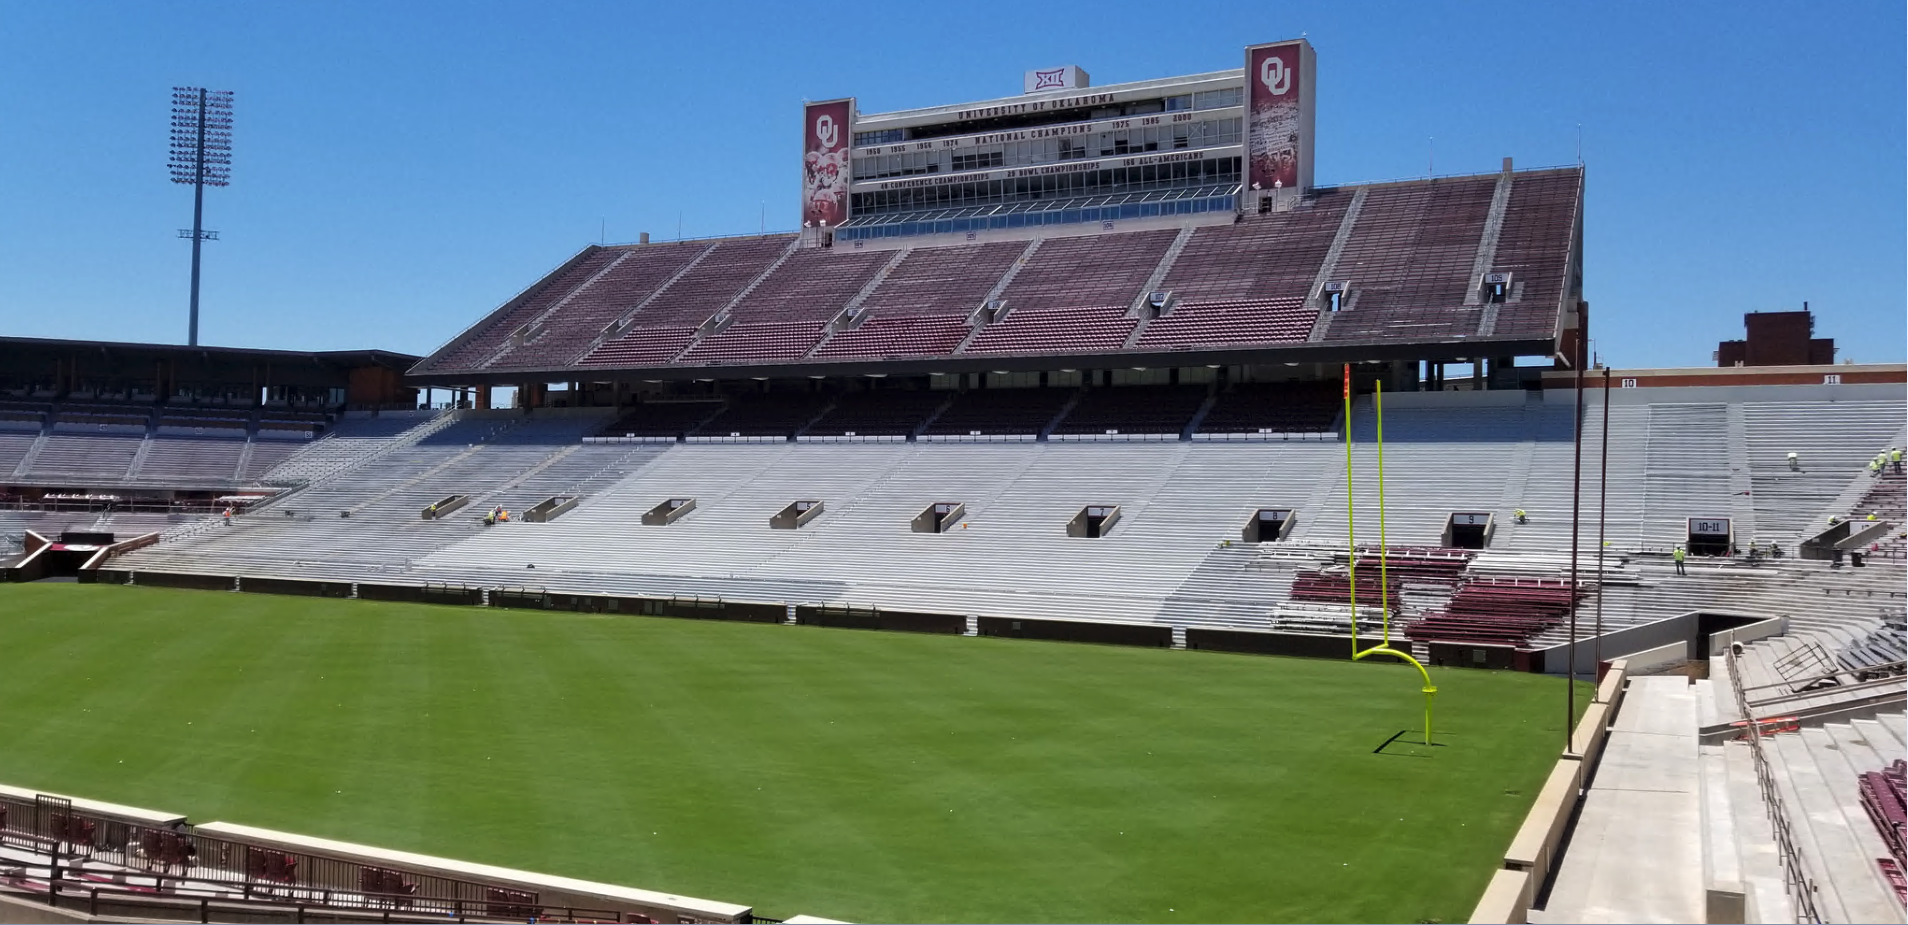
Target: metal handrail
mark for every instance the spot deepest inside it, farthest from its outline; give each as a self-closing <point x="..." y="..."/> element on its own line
<point x="1795" y="879"/>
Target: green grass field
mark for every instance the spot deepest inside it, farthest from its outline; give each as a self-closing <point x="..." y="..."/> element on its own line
<point x="857" y="775"/>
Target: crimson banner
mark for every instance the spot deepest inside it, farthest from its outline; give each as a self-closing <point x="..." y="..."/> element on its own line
<point x="827" y="135"/>
<point x="1276" y="120"/>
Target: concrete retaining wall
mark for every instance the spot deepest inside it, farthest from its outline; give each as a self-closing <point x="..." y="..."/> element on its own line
<point x="1533" y="850"/>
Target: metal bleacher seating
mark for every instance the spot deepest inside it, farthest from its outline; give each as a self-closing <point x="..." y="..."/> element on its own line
<point x="668" y="322"/>
<point x="763" y="415"/>
<point x="660" y="419"/>
<point x="1410" y="258"/>
<point x="1533" y="245"/>
<point x="477" y="347"/>
<point x="577" y="319"/>
<point x="1154" y="410"/>
<point x="1021" y="413"/>
<point x="1264" y="257"/>
<point x="892" y="413"/>
<point x="1090" y="271"/>
<point x="185" y="458"/>
<point x="1245" y="321"/>
<point x="1055" y="330"/>
<point x="1252" y="409"/>
<point x="786" y="314"/>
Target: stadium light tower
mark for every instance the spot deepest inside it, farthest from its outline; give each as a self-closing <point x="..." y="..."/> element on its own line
<point x="201" y="155"/>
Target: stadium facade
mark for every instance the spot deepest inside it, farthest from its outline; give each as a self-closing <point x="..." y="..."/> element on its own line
<point x="1156" y="232"/>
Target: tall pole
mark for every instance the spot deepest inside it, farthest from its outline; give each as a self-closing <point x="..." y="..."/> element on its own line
<point x="198" y="221"/>
<point x="1576" y="508"/>
<point x="201" y="156"/>
<point x="1603" y="509"/>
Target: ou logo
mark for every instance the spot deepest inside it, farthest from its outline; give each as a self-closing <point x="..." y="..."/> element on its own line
<point x="827" y="133"/>
<point x="1273" y="73"/>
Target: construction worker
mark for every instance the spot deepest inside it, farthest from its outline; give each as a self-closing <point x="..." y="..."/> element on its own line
<point x="1519" y="514"/>
<point x="1894" y="456"/>
<point x="490" y="520"/>
<point x="1871" y="515"/>
<point x="228" y="516"/>
<point x="1678" y="556"/>
<point x="1795" y="462"/>
<point x="1875" y="465"/>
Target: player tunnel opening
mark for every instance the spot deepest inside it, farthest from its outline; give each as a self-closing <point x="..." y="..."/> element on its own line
<point x="550" y="509"/>
<point x="1268" y="525"/>
<point x="64" y="558"/>
<point x="939" y="517"/>
<point x="668" y="512"/>
<point x="1469" y="530"/>
<point x="1094" y="521"/>
<point x="796" y="515"/>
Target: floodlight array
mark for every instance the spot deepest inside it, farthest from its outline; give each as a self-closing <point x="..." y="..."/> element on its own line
<point x="201" y="136"/>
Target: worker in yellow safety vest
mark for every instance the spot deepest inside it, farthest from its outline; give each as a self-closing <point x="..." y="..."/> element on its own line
<point x="1678" y="556"/>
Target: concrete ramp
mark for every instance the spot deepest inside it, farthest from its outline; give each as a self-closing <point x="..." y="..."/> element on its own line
<point x="1636" y="854"/>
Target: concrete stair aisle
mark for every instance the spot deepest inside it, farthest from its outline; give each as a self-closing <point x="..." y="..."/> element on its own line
<point x="1636" y="852"/>
<point x="1884" y="734"/>
<point x="1758" y="864"/>
<point x="245" y="458"/>
<point x="1846" y="889"/>
<point x="1687" y="470"/>
<point x="139" y="458"/>
<point x="1742" y="502"/>
<point x="32" y="454"/>
<point x="1723" y="875"/>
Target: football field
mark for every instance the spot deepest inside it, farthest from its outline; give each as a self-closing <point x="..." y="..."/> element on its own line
<point x="857" y="775"/>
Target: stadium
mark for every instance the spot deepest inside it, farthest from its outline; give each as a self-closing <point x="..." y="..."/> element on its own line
<point x="1084" y="515"/>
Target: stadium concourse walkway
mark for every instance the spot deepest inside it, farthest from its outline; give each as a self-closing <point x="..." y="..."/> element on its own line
<point x="1636" y="851"/>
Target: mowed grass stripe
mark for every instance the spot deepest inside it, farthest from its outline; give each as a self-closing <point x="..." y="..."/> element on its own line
<point x="861" y="775"/>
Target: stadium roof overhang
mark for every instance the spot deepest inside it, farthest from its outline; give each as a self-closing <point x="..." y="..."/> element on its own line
<point x="1370" y="352"/>
<point x="35" y="356"/>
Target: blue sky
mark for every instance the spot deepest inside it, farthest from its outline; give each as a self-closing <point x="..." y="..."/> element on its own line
<point x="401" y="169"/>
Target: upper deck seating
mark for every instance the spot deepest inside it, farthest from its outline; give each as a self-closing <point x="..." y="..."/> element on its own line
<point x="813" y="284"/>
<point x="1059" y="330"/>
<point x="769" y="340"/>
<point x="908" y="335"/>
<point x="942" y="280"/>
<point x="1533" y="246"/>
<point x="784" y="316"/>
<point x="1264" y="257"/>
<point x="483" y="342"/>
<point x="1409" y="260"/>
<point x="1088" y="272"/>
<point x="1251" y="321"/>
<point x="666" y="324"/>
<point x="635" y="273"/>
